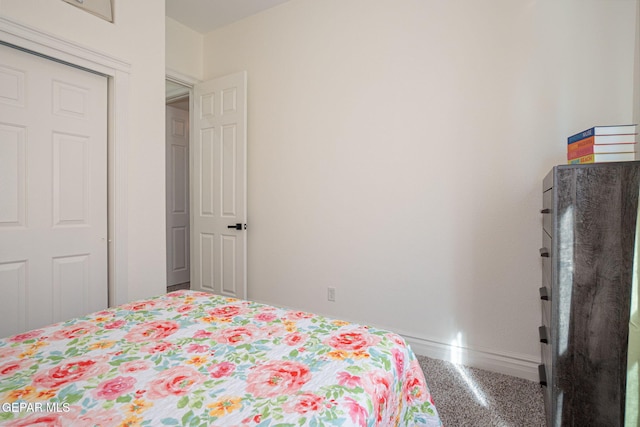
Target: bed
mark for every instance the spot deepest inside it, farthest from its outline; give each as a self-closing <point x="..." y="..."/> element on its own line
<point x="196" y="359"/>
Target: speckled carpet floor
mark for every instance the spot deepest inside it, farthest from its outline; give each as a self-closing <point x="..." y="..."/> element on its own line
<point x="474" y="397"/>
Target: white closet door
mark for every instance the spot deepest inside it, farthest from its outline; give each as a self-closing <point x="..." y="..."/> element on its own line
<point x="53" y="191"/>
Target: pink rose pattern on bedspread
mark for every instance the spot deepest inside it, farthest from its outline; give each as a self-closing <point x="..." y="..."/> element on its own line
<point x="196" y="359"/>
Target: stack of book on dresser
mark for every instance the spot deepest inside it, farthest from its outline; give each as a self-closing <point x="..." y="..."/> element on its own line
<point x="603" y="144"/>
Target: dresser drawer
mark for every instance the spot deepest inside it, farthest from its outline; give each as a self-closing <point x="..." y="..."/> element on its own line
<point x="542" y="375"/>
<point x="546" y="381"/>
<point x="545" y="353"/>
<point x="544" y="335"/>
<point x="547" y="395"/>
<point x="545" y="256"/>
<point x="546" y="274"/>
<point x="547" y="212"/>
<point x="547" y="182"/>
<point x="546" y="313"/>
<point x="547" y="398"/>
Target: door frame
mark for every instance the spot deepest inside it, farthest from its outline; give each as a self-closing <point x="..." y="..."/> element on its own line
<point x="118" y="74"/>
<point x="188" y="82"/>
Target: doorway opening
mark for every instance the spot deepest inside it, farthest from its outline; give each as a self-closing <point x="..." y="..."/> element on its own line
<point x="216" y="184"/>
<point x="177" y="186"/>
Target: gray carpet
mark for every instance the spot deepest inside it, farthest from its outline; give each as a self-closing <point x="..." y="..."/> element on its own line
<point x="473" y="397"/>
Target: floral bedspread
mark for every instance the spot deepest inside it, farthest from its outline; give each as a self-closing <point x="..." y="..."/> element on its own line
<point x="196" y="359"/>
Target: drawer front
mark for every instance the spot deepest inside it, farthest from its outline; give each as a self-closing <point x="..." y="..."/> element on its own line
<point x="543" y="334"/>
<point x="547" y="182"/>
<point x="542" y="374"/>
<point x="547" y="212"/>
<point x="547" y="391"/>
<point x="546" y="275"/>
<point x="545" y="352"/>
<point x="546" y="395"/>
<point x="546" y="261"/>
<point x="546" y="316"/>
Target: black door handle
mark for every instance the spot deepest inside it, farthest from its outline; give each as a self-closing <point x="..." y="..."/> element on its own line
<point x="238" y="226"/>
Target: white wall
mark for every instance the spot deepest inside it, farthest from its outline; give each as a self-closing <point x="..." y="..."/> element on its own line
<point x="144" y="49"/>
<point x="183" y="49"/>
<point x="397" y="149"/>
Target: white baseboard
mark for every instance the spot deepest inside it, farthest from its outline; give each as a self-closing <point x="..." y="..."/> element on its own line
<point x="516" y="365"/>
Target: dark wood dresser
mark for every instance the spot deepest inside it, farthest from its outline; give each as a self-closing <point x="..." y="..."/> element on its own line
<point x="589" y="227"/>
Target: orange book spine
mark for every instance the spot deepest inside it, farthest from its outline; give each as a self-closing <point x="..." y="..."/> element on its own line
<point x="579" y="144"/>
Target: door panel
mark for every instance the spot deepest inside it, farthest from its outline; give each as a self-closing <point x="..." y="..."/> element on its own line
<point x="219" y="186"/>
<point x="228" y="164"/>
<point x="70" y="180"/>
<point x="228" y="253"/>
<point x="70" y="285"/>
<point x="13" y="287"/>
<point x="12" y="175"/>
<point x="206" y="262"/>
<point x="178" y="265"/>
<point x="53" y="203"/>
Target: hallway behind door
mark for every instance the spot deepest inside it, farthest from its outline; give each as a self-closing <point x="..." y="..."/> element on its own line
<point x="177" y="187"/>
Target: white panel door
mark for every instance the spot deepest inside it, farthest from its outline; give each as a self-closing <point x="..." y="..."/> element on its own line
<point x="219" y="186"/>
<point x="177" y="140"/>
<point x="53" y="192"/>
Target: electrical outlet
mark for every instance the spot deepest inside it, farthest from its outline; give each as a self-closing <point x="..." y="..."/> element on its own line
<point x="331" y="294"/>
